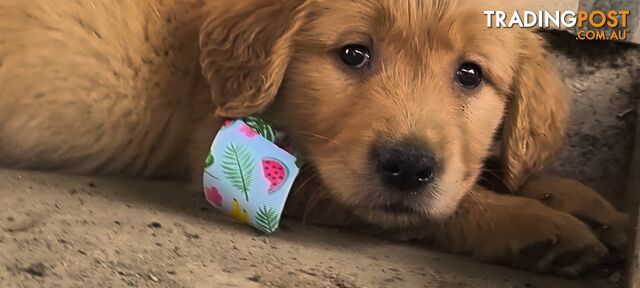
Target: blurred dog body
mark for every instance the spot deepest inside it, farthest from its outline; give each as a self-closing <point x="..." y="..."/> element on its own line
<point x="100" y="87"/>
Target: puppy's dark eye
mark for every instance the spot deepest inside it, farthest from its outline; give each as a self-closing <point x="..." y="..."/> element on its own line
<point x="469" y="75"/>
<point x="355" y="56"/>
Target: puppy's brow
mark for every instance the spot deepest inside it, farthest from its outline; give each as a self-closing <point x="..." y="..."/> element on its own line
<point x="474" y="57"/>
<point x="350" y="37"/>
<point x="350" y="32"/>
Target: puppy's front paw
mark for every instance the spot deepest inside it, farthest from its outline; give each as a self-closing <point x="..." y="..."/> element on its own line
<point x="555" y="242"/>
<point x="573" y="197"/>
<point x="522" y="233"/>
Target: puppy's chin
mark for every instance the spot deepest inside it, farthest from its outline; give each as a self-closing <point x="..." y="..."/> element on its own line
<point x="389" y="219"/>
<point x="389" y="209"/>
<point x="398" y="216"/>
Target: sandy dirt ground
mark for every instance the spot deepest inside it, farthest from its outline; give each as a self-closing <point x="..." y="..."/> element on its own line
<point x="70" y="231"/>
<point x="61" y="231"/>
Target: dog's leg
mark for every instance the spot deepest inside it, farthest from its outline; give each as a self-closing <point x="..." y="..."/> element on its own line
<point x="519" y="232"/>
<point x="575" y="198"/>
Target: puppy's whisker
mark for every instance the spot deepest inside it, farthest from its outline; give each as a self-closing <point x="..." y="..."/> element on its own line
<point x="498" y="177"/>
<point x="310" y="196"/>
<point x="315" y="199"/>
<point x="308" y="134"/>
<point x="332" y="165"/>
<point x="306" y="181"/>
<point x="482" y="178"/>
<point x="321" y="158"/>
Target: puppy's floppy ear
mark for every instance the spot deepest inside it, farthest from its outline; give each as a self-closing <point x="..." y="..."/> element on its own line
<point x="245" y="49"/>
<point x="536" y="118"/>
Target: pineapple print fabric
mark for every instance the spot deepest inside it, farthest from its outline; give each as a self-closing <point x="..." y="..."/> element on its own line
<point x="249" y="172"/>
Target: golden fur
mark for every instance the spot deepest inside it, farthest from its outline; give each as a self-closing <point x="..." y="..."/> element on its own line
<point x="103" y="87"/>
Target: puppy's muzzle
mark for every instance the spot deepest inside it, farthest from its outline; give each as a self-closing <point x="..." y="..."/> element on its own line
<point x="405" y="165"/>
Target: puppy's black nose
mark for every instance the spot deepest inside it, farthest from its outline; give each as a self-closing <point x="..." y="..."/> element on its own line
<point x="404" y="166"/>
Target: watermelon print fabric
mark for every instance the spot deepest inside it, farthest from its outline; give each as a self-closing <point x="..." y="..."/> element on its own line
<point x="249" y="172"/>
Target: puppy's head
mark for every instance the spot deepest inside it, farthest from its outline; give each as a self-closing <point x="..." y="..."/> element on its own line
<point x="395" y="103"/>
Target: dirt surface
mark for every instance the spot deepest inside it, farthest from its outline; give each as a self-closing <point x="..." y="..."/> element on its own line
<point x="67" y="231"/>
<point x="62" y="231"/>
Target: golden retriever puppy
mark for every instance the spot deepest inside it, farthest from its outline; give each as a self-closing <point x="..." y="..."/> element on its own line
<point x="396" y="106"/>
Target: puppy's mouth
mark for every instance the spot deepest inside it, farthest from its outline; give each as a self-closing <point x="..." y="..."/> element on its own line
<point x="396" y="209"/>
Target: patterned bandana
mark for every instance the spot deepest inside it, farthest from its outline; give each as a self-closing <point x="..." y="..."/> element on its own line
<point x="249" y="172"/>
